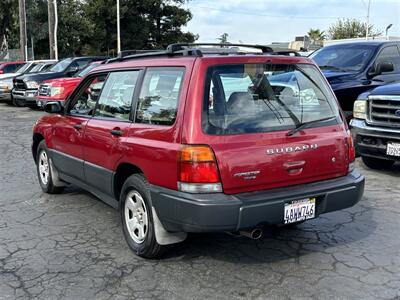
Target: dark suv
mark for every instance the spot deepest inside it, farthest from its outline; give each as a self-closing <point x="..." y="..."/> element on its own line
<point x="26" y="86"/>
<point x="356" y="67"/>
<point x="201" y="139"/>
<point x="376" y="126"/>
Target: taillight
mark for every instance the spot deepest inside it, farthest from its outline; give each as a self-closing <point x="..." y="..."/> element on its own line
<point x="198" y="170"/>
<point x="1" y="71"/>
<point x="351" y="151"/>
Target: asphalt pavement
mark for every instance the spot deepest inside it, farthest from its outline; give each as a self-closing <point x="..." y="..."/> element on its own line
<point x="70" y="246"/>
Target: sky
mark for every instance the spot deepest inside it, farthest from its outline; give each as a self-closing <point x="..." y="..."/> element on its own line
<point x="266" y="21"/>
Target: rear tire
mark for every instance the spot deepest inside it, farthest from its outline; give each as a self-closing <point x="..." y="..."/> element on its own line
<point x="377" y="163"/>
<point x="44" y="170"/>
<point x="137" y="218"/>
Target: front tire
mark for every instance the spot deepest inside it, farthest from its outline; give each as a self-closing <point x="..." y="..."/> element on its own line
<point x="137" y="218"/>
<point x="44" y="172"/>
<point x="377" y="163"/>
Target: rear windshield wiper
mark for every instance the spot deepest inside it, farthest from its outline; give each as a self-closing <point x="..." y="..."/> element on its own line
<point x="305" y="124"/>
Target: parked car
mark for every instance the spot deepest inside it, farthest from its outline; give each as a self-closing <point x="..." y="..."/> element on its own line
<point x="26" y="86"/>
<point x="60" y="88"/>
<point x="31" y="67"/>
<point x="187" y="140"/>
<point x="10" y="66"/>
<point x="353" y="68"/>
<point x="376" y="126"/>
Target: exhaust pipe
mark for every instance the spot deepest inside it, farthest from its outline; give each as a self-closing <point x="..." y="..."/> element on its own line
<point x="255" y="233"/>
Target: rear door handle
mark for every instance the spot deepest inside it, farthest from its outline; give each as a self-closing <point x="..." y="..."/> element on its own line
<point x="116" y="132"/>
<point x="78" y="126"/>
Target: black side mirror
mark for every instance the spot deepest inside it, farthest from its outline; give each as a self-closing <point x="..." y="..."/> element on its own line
<point x="53" y="107"/>
<point x="382" y="67"/>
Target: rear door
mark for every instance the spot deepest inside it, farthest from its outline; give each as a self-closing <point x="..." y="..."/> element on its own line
<point x="252" y="108"/>
<point x="109" y="125"/>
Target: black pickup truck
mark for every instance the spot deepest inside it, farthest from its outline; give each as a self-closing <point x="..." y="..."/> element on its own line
<point x="26" y="86"/>
<point x="356" y="67"/>
<point x="376" y="126"/>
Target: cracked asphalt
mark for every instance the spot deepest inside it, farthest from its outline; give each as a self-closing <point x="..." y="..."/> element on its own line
<point x="70" y="246"/>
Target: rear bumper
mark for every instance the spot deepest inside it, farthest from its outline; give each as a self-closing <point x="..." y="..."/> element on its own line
<point x="372" y="140"/>
<point x="26" y="96"/>
<point x="220" y="212"/>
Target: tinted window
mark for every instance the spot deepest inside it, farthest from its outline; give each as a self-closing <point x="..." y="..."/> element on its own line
<point x="259" y="98"/>
<point x="11" y="68"/>
<point x="390" y="54"/>
<point x="343" y="57"/>
<point x="159" y="96"/>
<point x="87" y="69"/>
<point x="84" y="102"/>
<point x="61" y="65"/>
<point x="116" y="98"/>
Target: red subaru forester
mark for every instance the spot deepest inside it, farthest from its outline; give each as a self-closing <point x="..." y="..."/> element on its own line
<point x="201" y="138"/>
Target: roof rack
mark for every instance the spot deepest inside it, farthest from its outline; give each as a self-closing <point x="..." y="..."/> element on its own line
<point x="190" y="49"/>
<point x="181" y="46"/>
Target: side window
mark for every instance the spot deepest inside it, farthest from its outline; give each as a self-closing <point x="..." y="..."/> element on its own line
<point x="10" y="68"/>
<point x="84" y="102"/>
<point x="390" y="54"/>
<point x="82" y="63"/>
<point x="116" y="98"/>
<point x="159" y="96"/>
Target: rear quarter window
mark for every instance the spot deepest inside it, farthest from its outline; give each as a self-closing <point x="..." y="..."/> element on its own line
<point x="159" y="96"/>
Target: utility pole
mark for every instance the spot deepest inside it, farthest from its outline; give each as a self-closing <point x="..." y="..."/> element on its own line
<point x="51" y="20"/>
<point x="55" y="30"/>
<point x="118" y="30"/>
<point x="367" y="24"/>
<point x="22" y="30"/>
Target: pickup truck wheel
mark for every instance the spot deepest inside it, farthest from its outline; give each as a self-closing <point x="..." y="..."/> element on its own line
<point x="18" y="103"/>
<point x="376" y="163"/>
<point x="137" y="219"/>
<point x="44" y="170"/>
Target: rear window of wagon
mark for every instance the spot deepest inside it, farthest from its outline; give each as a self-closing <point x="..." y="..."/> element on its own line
<point x="249" y="98"/>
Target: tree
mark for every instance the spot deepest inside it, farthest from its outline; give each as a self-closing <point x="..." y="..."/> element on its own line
<point x="89" y="26"/>
<point x="223" y="38"/>
<point x="9" y="27"/>
<point x="316" y="35"/>
<point x="145" y="24"/>
<point x="351" y="28"/>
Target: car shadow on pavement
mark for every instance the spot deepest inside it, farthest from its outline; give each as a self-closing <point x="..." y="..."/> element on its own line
<point x="320" y="235"/>
<point x="279" y="243"/>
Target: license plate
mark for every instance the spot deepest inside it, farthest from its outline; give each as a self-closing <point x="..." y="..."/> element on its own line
<point x="393" y="149"/>
<point x="299" y="210"/>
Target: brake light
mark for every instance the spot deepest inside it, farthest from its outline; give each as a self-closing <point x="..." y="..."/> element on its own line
<point x="1" y="71"/>
<point x="198" y="170"/>
<point x="351" y="151"/>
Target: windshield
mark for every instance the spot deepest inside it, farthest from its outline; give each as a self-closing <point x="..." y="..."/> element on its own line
<point x="264" y="97"/>
<point x="343" y="57"/>
<point x="36" y="68"/>
<point x="87" y="70"/>
<point x="61" y="65"/>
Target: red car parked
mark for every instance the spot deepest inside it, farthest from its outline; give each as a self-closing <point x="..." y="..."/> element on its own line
<point x="200" y="139"/>
<point x="59" y="89"/>
<point x="10" y="66"/>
